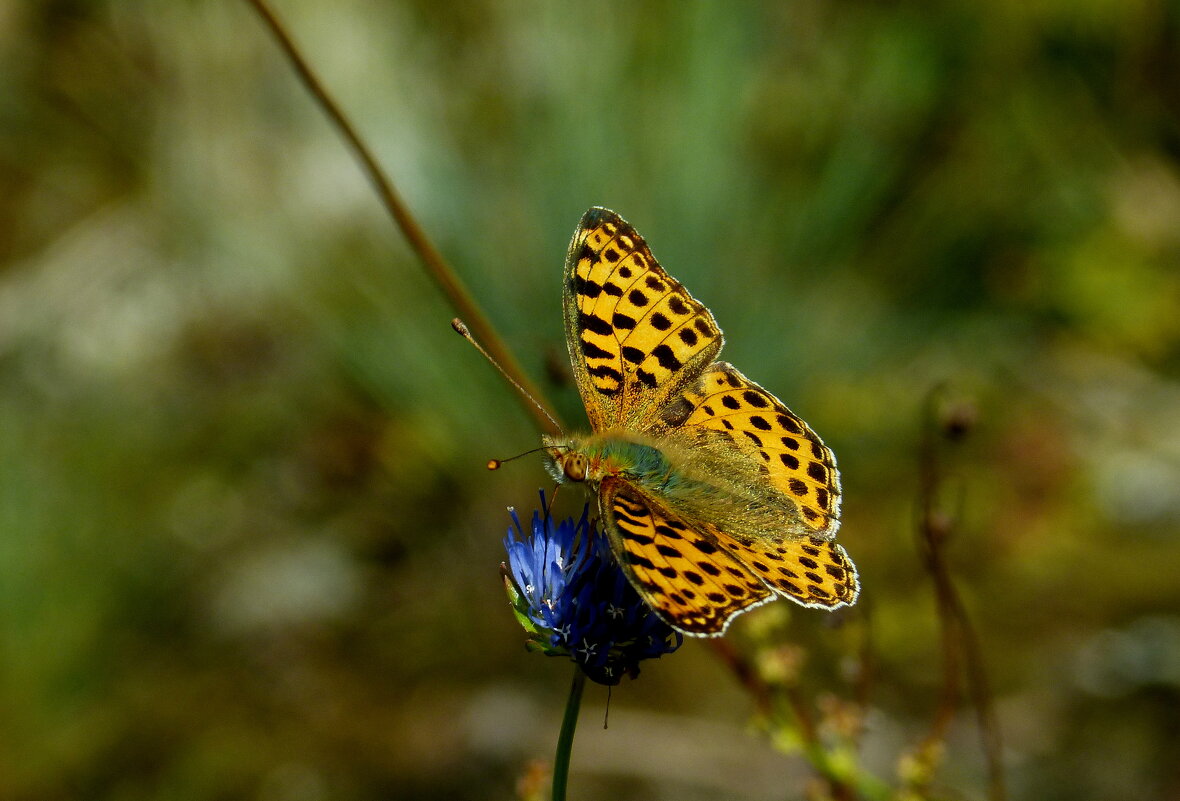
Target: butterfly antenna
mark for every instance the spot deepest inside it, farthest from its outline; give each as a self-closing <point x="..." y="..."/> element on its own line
<point x="494" y="464"/>
<point x="461" y="329"/>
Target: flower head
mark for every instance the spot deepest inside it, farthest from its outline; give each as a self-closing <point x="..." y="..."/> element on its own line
<point x="571" y="596"/>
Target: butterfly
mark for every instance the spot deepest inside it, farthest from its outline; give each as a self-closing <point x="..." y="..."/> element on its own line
<point x="714" y="496"/>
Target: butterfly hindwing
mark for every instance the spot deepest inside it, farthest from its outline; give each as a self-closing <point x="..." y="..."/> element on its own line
<point x="795" y="460"/>
<point x="810" y="571"/>
<point x="636" y="337"/>
<point x="680" y="571"/>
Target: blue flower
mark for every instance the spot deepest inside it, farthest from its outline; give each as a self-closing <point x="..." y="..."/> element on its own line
<point x="572" y="598"/>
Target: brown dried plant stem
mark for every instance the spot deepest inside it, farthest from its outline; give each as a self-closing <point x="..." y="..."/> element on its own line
<point x="866" y="669"/>
<point x="764" y="698"/>
<point x="960" y="645"/>
<point x="436" y="267"/>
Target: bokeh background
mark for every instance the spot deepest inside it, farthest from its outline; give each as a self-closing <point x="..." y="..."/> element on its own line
<point x="248" y="547"/>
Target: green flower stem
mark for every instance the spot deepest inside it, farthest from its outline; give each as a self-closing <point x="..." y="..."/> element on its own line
<point x="844" y="774"/>
<point x="565" y="740"/>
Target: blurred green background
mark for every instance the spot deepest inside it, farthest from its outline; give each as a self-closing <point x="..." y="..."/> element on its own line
<point x="248" y="547"/>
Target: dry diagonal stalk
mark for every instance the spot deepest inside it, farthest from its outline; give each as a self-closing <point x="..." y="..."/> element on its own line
<point x="765" y="698"/>
<point x="961" y="652"/>
<point x="432" y="261"/>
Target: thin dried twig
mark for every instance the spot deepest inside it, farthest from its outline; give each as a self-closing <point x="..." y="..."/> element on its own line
<point x="433" y="262"/>
<point x="866" y="671"/>
<point x="764" y="696"/>
<point x="961" y="651"/>
<point x="744" y="672"/>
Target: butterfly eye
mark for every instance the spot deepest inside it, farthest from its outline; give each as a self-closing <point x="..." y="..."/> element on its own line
<point x="575" y="467"/>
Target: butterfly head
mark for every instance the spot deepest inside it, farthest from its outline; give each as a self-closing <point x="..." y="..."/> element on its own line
<point x="566" y="461"/>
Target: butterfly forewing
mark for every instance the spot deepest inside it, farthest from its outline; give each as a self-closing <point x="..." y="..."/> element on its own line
<point x="636" y="337"/>
<point x="679" y="570"/>
<point x="796" y="462"/>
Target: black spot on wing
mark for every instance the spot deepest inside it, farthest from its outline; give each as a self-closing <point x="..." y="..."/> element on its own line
<point x="640" y="561"/>
<point x="592" y="322"/>
<point x="633" y="355"/>
<point x="587" y="288"/>
<point x="592" y="351"/>
<point x="789" y="424"/>
<point x="756" y="399"/>
<point x="605" y="371"/>
<point x="666" y="357"/>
